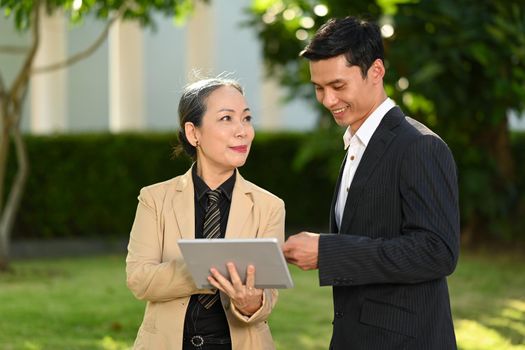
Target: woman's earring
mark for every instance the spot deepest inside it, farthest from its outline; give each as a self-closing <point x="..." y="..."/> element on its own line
<point x="197" y="143"/>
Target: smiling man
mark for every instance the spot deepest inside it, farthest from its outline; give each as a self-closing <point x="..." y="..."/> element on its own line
<point x="394" y="219"/>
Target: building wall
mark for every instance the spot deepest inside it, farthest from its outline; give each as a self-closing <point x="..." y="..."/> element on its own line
<point x="169" y="55"/>
<point x="88" y="81"/>
<point x="165" y="73"/>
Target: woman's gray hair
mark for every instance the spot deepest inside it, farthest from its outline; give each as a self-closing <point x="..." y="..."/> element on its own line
<point x="192" y="107"/>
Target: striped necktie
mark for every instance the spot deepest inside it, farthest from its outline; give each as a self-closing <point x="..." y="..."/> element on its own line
<point x="211" y="229"/>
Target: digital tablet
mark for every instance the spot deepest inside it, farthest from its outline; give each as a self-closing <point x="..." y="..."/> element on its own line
<point x="271" y="270"/>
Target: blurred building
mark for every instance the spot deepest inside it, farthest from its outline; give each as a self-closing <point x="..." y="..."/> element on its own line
<point x="516" y="122"/>
<point x="134" y="80"/>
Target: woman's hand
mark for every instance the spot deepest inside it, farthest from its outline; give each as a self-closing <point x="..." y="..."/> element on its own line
<point x="246" y="298"/>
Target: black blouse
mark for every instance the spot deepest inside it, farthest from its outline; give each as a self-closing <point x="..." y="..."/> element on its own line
<point x="199" y="320"/>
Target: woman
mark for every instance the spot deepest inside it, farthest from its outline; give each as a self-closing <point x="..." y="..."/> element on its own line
<point x="216" y="131"/>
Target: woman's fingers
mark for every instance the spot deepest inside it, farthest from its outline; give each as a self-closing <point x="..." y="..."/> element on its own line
<point x="234" y="286"/>
<point x="221" y="281"/>
<point x="250" y="277"/>
<point x="246" y="297"/>
<point x="234" y="276"/>
<point x="216" y="284"/>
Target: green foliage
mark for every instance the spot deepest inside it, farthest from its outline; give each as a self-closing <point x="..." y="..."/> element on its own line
<point x="470" y="64"/>
<point x="464" y="64"/>
<point x="279" y="22"/>
<point x="25" y="15"/>
<point x="87" y="185"/>
<point x="140" y="10"/>
<point x="306" y="191"/>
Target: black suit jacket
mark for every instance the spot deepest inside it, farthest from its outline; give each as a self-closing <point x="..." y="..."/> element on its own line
<point x="398" y="240"/>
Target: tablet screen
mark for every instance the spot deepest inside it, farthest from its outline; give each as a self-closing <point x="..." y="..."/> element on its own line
<point x="271" y="269"/>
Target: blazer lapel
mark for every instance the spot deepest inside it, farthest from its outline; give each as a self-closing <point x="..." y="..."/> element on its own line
<point x="332" y="228"/>
<point x="377" y="146"/>
<point x="240" y="209"/>
<point x="184" y="206"/>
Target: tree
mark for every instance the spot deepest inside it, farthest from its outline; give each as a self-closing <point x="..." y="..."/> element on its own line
<point x="26" y="15"/>
<point x="471" y="73"/>
<point x="458" y="66"/>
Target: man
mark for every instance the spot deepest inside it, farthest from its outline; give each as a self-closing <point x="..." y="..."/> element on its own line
<point x="394" y="220"/>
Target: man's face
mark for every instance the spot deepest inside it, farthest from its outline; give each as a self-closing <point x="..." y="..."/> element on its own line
<point x="343" y="90"/>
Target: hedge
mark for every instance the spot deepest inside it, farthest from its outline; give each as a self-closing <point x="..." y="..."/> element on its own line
<point x="86" y="185"/>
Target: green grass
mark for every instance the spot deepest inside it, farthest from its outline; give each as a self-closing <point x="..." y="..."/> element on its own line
<point x="83" y="303"/>
<point x="488" y="301"/>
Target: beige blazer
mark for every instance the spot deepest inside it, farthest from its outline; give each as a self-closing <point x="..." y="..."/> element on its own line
<point x="156" y="271"/>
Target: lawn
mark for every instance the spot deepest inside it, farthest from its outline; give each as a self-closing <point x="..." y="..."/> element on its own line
<point x="82" y="303"/>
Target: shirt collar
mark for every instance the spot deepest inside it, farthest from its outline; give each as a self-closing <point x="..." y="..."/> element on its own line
<point x="369" y="126"/>
<point x="201" y="188"/>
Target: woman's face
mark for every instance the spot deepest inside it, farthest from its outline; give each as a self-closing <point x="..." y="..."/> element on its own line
<point x="226" y="131"/>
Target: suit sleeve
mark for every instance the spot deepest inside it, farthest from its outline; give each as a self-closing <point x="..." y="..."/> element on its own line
<point x="147" y="276"/>
<point x="274" y="228"/>
<point x="427" y="245"/>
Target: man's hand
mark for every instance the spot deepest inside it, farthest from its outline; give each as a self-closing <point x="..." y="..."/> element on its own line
<point x="302" y="250"/>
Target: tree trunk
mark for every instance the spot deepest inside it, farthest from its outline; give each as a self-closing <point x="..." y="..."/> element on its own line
<point x="15" y="196"/>
<point x="4" y="143"/>
<point x="4" y="151"/>
<point x="472" y="230"/>
<point x="11" y="105"/>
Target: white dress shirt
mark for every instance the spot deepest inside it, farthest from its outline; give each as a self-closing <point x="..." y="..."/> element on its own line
<point x="356" y="145"/>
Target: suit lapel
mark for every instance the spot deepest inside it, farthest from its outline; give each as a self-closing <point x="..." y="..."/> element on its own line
<point x="240" y="209"/>
<point x="377" y="146"/>
<point x="333" y="223"/>
<point x="184" y="206"/>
